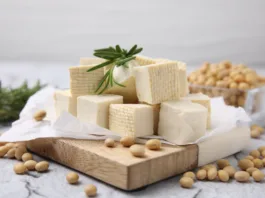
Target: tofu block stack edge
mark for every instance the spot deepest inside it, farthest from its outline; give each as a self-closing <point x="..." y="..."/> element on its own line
<point x="95" y="108"/>
<point x="155" y="100"/>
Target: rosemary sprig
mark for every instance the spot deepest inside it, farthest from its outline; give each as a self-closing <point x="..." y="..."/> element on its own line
<point x="117" y="57"/>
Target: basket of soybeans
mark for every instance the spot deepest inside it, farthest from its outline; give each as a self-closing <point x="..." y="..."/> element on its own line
<point x="234" y="82"/>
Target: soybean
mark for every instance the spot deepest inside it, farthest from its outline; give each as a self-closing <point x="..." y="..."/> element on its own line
<point x="230" y="170"/>
<point x="211" y="174"/>
<point x="30" y="164"/>
<point x="20" y="168"/>
<point x="153" y="144"/>
<point x="42" y="166"/>
<point x="255" y="153"/>
<point x="244" y="164"/>
<point x="11" y="153"/>
<point x="223" y="176"/>
<point x="137" y="150"/>
<point x="201" y="174"/>
<point x="20" y="151"/>
<point x="189" y="174"/>
<point x="186" y="182"/>
<point x="40" y="115"/>
<point x="127" y="141"/>
<point x="261" y="148"/>
<point x="242" y="176"/>
<point x="72" y="178"/>
<point x="27" y="157"/>
<point x="222" y="163"/>
<point x="3" y="151"/>
<point x="90" y="190"/>
<point x="258" y="163"/>
<point x="258" y="175"/>
<point x="251" y="170"/>
<point x="109" y="142"/>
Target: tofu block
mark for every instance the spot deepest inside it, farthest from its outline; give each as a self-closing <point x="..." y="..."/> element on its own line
<point x="157" y="83"/>
<point x="125" y="76"/>
<point x="134" y="120"/>
<point x="65" y="101"/>
<point x="182" y="122"/>
<point x="183" y="81"/>
<point x="83" y="82"/>
<point x="91" y="61"/>
<point x="94" y="61"/>
<point x="143" y="60"/>
<point x="203" y="100"/>
<point x="161" y="60"/>
<point x="95" y="108"/>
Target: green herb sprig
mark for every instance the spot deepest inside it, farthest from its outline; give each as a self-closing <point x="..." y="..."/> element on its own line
<point x="115" y="57"/>
<point x="12" y="100"/>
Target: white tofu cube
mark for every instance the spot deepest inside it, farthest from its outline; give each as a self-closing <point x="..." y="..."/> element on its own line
<point x="203" y="100"/>
<point x="157" y="83"/>
<point x="95" y="108"/>
<point x="83" y="82"/>
<point x="134" y="120"/>
<point x="90" y="61"/>
<point x="65" y="101"/>
<point x="182" y="122"/>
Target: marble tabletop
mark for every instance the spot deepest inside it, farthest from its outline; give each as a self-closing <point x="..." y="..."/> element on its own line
<point x="53" y="183"/>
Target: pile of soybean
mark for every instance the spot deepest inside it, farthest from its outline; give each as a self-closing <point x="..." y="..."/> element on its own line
<point x="248" y="167"/>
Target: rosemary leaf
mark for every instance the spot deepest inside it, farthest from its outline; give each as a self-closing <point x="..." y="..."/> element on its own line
<point x="123" y="61"/>
<point x="132" y="50"/>
<point x="118" y="49"/>
<point x="137" y="51"/>
<point x="106" y="85"/>
<point x="101" y="65"/>
<point x="102" y="81"/>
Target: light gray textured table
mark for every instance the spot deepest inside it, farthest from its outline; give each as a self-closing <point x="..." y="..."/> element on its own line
<point x="53" y="184"/>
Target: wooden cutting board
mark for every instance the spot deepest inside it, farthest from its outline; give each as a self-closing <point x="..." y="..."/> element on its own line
<point x="116" y="166"/>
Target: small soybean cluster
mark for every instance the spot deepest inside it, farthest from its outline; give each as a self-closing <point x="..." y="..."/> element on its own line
<point x="135" y="149"/>
<point x="19" y="151"/>
<point x="249" y="167"/>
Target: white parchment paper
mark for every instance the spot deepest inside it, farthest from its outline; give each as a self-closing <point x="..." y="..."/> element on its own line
<point x="228" y="124"/>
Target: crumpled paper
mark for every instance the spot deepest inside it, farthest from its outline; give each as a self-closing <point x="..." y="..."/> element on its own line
<point x="224" y="120"/>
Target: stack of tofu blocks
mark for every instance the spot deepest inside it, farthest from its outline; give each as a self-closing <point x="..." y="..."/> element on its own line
<point x="155" y="101"/>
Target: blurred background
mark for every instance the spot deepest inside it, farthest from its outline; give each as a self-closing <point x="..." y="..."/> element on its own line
<point x="40" y="39"/>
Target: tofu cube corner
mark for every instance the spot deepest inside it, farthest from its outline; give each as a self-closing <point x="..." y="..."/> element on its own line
<point x="95" y="108"/>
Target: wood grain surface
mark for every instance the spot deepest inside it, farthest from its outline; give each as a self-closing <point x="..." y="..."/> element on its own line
<point x="116" y="166"/>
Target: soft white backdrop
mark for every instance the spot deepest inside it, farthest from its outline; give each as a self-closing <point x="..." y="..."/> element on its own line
<point x="193" y="31"/>
<point x="45" y="37"/>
